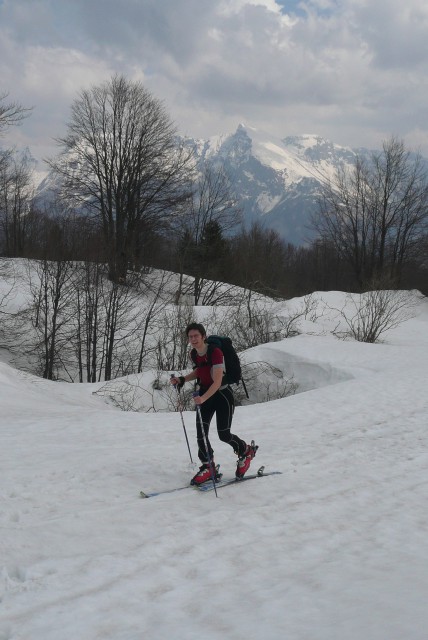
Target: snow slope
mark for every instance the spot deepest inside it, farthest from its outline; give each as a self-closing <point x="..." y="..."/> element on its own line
<point x="335" y="548"/>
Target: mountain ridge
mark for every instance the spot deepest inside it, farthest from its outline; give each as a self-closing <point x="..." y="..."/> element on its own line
<point x="276" y="180"/>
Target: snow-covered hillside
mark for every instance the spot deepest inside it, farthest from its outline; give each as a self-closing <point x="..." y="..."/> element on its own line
<point x="335" y="548"/>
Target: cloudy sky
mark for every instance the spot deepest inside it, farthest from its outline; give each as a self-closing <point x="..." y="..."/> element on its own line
<point x="354" y="71"/>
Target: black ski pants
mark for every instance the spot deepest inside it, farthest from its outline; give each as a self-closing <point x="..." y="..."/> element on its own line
<point x="222" y="403"/>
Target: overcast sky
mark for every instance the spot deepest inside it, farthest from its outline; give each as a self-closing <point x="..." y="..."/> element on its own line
<point x="353" y="71"/>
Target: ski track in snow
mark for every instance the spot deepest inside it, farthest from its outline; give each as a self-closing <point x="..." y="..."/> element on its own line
<point x="334" y="549"/>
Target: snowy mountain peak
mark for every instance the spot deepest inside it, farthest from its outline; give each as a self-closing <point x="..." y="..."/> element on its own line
<point x="314" y="148"/>
<point x="276" y="179"/>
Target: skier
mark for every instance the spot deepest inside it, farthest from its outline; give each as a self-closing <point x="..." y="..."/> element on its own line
<point x="214" y="397"/>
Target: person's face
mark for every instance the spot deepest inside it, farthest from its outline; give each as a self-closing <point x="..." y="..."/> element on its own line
<point x="196" y="340"/>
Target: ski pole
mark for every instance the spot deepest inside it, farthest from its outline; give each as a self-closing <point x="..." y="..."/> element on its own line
<point x="210" y="462"/>
<point x="182" y="419"/>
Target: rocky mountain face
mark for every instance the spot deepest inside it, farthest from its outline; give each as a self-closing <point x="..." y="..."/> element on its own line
<point x="277" y="180"/>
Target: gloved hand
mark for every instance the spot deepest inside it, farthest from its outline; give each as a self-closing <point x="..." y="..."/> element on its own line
<point x="178" y="381"/>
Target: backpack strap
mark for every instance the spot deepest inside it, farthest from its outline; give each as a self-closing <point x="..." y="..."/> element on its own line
<point x="209" y="362"/>
<point x="209" y="357"/>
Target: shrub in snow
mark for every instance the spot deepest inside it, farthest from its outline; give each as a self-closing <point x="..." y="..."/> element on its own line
<point x="369" y="315"/>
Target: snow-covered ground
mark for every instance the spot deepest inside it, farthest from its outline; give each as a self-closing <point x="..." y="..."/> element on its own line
<point x="335" y="548"/>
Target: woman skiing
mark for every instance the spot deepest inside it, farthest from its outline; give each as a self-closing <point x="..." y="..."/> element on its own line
<point x="215" y="397"/>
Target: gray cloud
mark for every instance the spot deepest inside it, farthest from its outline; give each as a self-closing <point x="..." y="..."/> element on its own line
<point x="395" y="33"/>
<point x="353" y="72"/>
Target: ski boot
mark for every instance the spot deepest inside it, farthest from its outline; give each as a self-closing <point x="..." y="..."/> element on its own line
<point x="204" y="474"/>
<point x="244" y="461"/>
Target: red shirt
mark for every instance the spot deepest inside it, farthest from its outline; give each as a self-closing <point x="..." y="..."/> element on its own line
<point x="204" y="372"/>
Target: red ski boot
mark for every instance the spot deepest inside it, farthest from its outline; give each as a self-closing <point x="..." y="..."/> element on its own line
<point x="204" y="474"/>
<point x="245" y="460"/>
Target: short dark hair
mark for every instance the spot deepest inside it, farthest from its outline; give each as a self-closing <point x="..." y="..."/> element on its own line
<point x="196" y="326"/>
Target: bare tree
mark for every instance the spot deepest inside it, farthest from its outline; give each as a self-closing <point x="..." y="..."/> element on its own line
<point x="9" y="290"/>
<point x="16" y="192"/>
<point x="88" y="285"/>
<point x="172" y="350"/>
<point x="51" y="312"/>
<point x="371" y="314"/>
<point x="156" y="306"/>
<point x="213" y="211"/>
<point x="11" y="113"/>
<point x="213" y="201"/>
<point x="114" y="326"/>
<point x="374" y="213"/>
<point x="120" y="161"/>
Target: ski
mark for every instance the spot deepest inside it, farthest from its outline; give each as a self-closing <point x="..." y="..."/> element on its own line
<point x="208" y="486"/>
<point x="152" y="494"/>
<point x="228" y="481"/>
